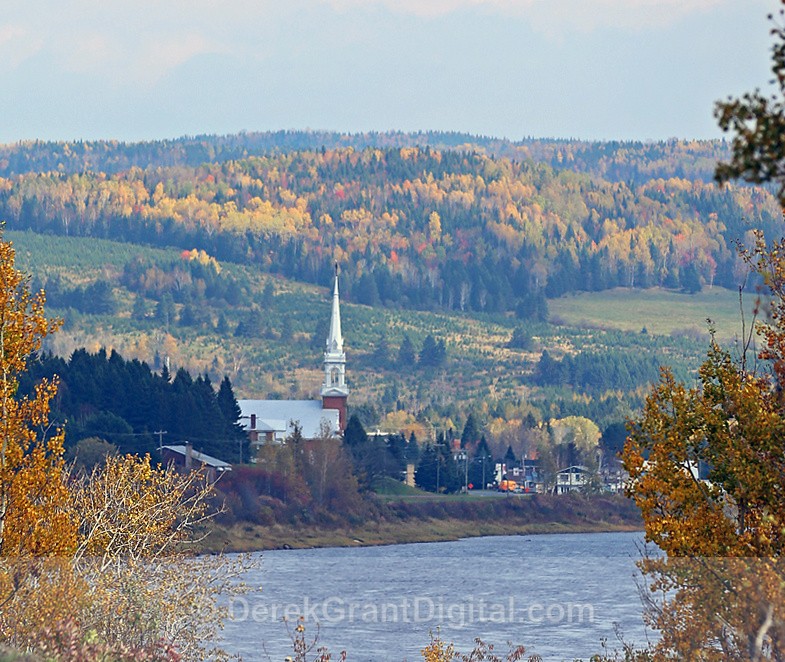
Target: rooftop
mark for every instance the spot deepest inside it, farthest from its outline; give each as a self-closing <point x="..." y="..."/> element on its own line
<point x="279" y="416"/>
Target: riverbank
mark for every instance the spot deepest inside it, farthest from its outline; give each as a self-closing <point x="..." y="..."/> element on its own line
<point x="410" y="522"/>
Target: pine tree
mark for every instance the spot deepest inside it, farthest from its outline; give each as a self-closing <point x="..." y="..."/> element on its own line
<point x="412" y="449"/>
<point x="481" y="469"/>
<point x="433" y="353"/>
<point x="231" y="413"/>
<point x="406" y="354"/>
<point x="381" y="353"/>
<point x="139" y="310"/>
<point x="471" y="432"/>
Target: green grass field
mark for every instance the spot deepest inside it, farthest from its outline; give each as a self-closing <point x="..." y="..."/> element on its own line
<point x="75" y="257"/>
<point x="660" y="311"/>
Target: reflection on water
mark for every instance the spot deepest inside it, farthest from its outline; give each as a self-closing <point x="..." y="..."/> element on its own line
<point x="558" y="595"/>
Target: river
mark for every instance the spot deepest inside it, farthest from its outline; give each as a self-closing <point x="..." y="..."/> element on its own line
<point x="558" y="595"/>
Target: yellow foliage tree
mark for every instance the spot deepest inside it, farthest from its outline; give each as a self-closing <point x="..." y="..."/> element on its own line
<point x="706" y="466"/>
<point x="137" y="523"/>
<point x="37" y="527"/>
<point x="92" y="567"/>
<point x="707" y="463"/>
<point x="35" y="517"/>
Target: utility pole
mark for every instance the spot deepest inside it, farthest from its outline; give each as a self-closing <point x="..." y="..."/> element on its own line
<point x="464" y="455"/>
<point x="437" y="446"/>
<point x="160" y="434"/>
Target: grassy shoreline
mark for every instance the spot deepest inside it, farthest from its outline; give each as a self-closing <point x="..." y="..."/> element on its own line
<point x="533" y="517"/>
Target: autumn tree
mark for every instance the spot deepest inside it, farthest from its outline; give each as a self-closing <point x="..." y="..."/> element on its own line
<point x="34" y="511"/>
<point x="705" y="468"/>
<point x="95" y="560"/>
<point x="138" y="525"/>
<point x="37" y="527"/>
<point x="757" y="123"/>
<point x="706" y="462"/>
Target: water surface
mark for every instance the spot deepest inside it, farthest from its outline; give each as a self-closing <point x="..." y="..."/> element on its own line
<point x="558" y="595"/>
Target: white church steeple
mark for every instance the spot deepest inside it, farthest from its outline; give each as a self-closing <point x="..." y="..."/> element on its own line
<point x="334" y="389"/>
<point x="335" y="339"/>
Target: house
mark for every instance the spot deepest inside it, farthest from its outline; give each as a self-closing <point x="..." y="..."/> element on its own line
<point x="572" y="479"/>
<point x="527" y="475"/>
<point x="271" y="421"/>
<point x="186" y="458"/>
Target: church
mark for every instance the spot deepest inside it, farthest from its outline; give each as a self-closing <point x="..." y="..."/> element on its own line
<point x="271" y="421"/>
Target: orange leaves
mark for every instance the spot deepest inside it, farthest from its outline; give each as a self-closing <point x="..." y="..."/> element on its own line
<point x="34" y="507"/>
<point x="82" y="549"/>
<point x="706" y="466"/>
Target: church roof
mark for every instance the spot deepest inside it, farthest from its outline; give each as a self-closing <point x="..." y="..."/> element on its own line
<point x="276" y="416"/>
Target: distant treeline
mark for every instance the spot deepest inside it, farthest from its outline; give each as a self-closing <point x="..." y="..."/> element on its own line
<point x="414" y="227"/>
<point x="126" y="404"/>
<point x="615" y="161"/>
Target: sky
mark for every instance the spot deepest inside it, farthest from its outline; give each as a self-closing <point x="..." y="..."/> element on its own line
<point x="589" y="69"/>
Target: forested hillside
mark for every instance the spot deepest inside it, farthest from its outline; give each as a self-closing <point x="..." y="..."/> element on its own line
<point x="410" y="227"/>
<point x="615" y="161"/>
<point x="455" y="245"/>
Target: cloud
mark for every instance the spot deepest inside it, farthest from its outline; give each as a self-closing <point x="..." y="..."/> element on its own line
<point x="140" y="59"/>
<point x="17" y="45"/>
<point x="120" y="43"/>
<point x="551" y="16"/>
<point x="88" y="53"/>
<point x="161" y="55"/>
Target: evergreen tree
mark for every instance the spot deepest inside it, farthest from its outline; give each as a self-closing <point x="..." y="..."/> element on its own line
<point x="509" y="457"/>
<point x="187" y="316"/>
<point x="222" y="326"/>
<point x="451" y="474"/>
<point x="690" y="279"/>
<point x="406" y="354"/>
<point x="354" y="436"/>
<point x="521" y="339"/>
<point x="231" y="413"/>
<point x="425" y="475"/>
<point x="412" y="450"/>
<point x="437" y="470"/>
<point x="428" y="352"/>
<point x="165" y="311"/>
<point x="471" y="432"/>
<point x="481" y="469"/>
<point x="366" y="291"/>
<point x="433" y="353"/>
<point x="320" y="333"/>
<point x="381" y="353"/>
<point x="98" y="299"/>
<point x="252" y="325"/>
<point x="139" y="310"/>
<point x="549" y="371"/>
<point x="268" y="295"/>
